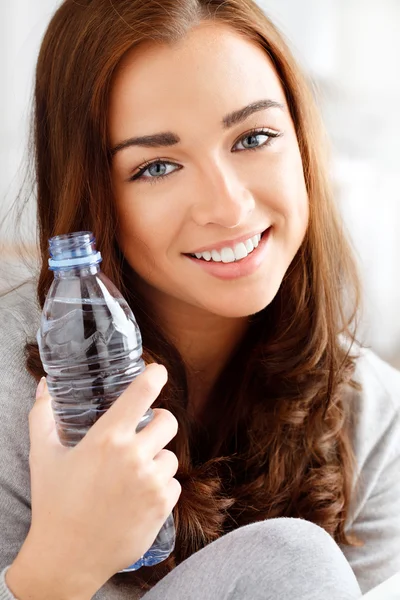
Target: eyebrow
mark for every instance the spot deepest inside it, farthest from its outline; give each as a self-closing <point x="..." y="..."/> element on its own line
<point x="168" y="138"/>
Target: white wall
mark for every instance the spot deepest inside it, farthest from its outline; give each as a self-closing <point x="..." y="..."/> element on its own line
<point x="22" y="25"/>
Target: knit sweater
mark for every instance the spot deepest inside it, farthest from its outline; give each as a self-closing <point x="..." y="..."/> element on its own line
<point x="375" y="509"/>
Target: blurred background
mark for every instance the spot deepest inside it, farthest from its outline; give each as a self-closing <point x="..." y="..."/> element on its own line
<point x="351" y="49"/>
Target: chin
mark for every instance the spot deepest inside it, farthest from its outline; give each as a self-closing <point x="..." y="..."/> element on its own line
<point x="242" y="306"/>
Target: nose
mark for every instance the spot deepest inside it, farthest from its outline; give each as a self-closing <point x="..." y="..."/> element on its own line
<point x="221" y="198"/>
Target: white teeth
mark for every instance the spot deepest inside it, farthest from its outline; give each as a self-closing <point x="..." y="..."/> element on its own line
<point x="249" y="246"/>
<point x="240" y="251"/>
<point x="227" y="255"/>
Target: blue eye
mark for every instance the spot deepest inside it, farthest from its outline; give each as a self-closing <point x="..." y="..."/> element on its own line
<point x="155" y="170"/>
<point x="256" y="139"/>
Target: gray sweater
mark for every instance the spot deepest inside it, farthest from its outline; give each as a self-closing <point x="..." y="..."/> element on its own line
<point x="375" y="511"/>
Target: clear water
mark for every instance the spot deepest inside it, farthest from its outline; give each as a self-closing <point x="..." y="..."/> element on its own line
<point x="91" y="354"/>
<point x="91" y="350"/>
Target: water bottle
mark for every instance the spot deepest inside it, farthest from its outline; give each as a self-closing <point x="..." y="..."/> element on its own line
<point x="91" y="349"/>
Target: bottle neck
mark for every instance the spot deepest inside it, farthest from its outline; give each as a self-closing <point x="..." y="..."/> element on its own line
<point x="73" y="272"/>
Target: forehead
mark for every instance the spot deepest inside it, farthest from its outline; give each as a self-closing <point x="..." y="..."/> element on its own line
<point x="213" y="70"/>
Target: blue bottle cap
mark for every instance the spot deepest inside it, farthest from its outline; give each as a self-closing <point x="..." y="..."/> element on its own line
<point x="73" y="250"/>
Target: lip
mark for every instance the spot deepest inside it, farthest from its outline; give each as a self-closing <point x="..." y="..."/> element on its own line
<point x="243" y="268"/>
<point x="227" y="243"/>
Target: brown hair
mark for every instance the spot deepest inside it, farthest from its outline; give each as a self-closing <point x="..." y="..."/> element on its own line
<point x="278" y="439"/>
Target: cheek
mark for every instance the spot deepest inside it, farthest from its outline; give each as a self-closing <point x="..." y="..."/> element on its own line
<point x="300" y="203"/>
<point x="294" y="191"/>
<point x="145" y="233"/>
<point x="282" y="190"/>
<point x="133" y="228"/>
<point x="276" y="178"/>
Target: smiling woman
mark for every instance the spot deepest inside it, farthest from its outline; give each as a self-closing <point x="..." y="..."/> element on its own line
<point x="184" y="135"/>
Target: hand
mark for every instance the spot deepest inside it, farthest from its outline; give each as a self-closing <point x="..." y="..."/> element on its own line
<point x="96" y="507"/>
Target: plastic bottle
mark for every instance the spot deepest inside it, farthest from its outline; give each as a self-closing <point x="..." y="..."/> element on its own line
<point x="91" y="349"/>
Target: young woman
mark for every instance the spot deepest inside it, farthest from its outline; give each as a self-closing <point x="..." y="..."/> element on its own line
<point x="183" y="134"/>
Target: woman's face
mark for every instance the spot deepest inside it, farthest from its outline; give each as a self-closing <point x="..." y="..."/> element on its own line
<point x="205" y="160"/>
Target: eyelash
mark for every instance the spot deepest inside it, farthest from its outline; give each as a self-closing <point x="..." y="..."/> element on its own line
<point x="254" y="132"/>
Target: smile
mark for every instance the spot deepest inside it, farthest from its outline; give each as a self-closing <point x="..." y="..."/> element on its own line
<point x="224" y="263"/>
<point x="229" y="255"/>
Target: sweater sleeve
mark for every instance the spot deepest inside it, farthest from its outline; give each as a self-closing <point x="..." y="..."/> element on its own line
<point x="17" y="390"/>
<point x="376" y="510"/>
<point x="5" y="593"/>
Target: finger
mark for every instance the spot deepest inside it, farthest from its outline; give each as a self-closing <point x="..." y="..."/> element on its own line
<point x="129" y="408"/>
<point x="42" y="427"/>
<point x="174" y="490"/>
<point x="159" y="432"/>
<point x="167" y="464"/>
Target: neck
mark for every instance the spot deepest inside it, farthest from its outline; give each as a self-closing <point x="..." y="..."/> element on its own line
<point x="206" y="346"/>
<point x="205" y="341"/>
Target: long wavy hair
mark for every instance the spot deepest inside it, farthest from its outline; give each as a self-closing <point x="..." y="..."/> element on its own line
<point x="278" y="439"/>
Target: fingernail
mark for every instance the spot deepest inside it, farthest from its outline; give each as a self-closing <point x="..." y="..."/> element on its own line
<point x="40" y="387"/>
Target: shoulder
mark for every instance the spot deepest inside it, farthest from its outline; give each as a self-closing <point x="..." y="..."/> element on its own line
<point x="374" y="515"/>
<point x="379" y="380"/>
<point x="19" y="309"/>
<point x="377" y="405"/>
<point x="375" y="411"/>
<point x="19" y="321"/>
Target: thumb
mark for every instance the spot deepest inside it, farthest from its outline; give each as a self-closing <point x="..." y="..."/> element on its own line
<point x="42" y="426"/>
